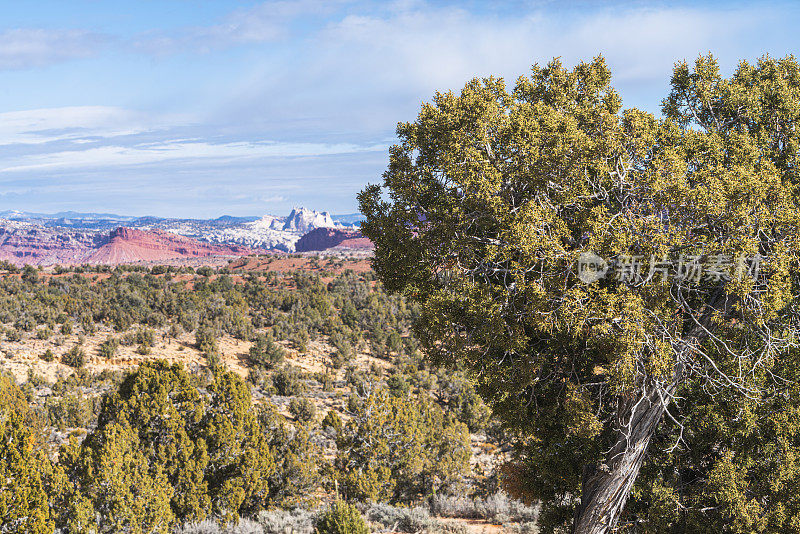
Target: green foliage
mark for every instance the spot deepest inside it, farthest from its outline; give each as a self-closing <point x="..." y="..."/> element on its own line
<point x="465" y="403"/>
<point x="734" y="467"/>
<point x="302" y="409"/>
<point x="298" y="461"/>
<point x="174" y="331"/>
<point x="332" y="421"/>
<point x="71" y="410"/>
<point x="399" y="449"/>
<point x="74" y="357"/>
<point x="44" y="333"/>
<point x="25" y="470"/>
<point x="13" y="334"/>
<point x="398" y="385"/>
<point x="164" y="445"/>
<point x="193" y="453"/>
<point x="108" y="348"/>
<point x="287" y="381"/>
<point x="206" y="339"/>
<point x="30" y="274"/>
<point x="295" y="308"/>
<point x="265" y="353"/>
<point x="490" y="198"/>
<point x="145" y="337"/>
<point x="66" y="327"/>
<point x="341" y="518"/>
<point x="126" y="492"/>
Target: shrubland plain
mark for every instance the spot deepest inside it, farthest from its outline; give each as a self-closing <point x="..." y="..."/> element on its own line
<point x="252" y="395"/>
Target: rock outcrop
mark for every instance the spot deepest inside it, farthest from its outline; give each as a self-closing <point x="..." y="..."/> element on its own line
<point x="304" y="220"/>
<point x="44" y="240"/>
<point x="328" y="238"/>
<point x="126" y="245"/>
<point x="277" y="233"/>
<point x="26" y="243"/>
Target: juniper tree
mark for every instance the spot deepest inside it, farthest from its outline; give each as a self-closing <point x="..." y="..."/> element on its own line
<point x="492" y="196"/>
<point x="25" y="468"/>
<point x="399" y="449"/>
<point x="167" y="447"/>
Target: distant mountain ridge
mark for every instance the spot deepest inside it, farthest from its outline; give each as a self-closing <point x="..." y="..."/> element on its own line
<point x="76" y="218"/>
<point x="24" y="215"/>
<point x="73" y="237"/>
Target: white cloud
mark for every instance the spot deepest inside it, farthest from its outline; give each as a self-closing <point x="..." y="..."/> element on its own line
<point x="271" y="199"/>
<point x="26" y="48"/>
<point x="193" y="152"/>
<point x="78" y="124"/>
<point x="369" y="68"/>
<point x="430" y="47"/>
<point x="263" y="23"/>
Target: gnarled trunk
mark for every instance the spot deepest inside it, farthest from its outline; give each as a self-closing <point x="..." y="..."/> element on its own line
<point x="606" y="488"/>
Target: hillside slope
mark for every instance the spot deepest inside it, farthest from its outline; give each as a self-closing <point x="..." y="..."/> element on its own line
<point x="128" y="245"/>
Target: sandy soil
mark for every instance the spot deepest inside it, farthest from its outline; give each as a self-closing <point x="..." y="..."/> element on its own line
<point x="477" y="526"/>
<point x="19" y="357"/>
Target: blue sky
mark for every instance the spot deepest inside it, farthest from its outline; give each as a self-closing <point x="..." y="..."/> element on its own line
<point x="195" y="108"/>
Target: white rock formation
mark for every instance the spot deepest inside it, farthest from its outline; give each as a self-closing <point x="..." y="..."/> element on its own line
<point x="304" y="220"/>
<point x="271" y="232"/>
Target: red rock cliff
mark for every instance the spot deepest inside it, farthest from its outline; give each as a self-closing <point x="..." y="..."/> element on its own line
<point x="326" y="238"/>
<point x="129" y="245"/>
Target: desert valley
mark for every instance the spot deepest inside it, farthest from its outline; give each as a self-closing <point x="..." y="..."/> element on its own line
<point x="405" y="267"/>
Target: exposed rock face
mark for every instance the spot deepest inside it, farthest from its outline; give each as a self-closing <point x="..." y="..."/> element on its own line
<point x="127" y="245"/>
<point x="268" y="222"/>
<point x="303" y="220"/>
<point x="327" y="238"/>
<point x="270" y="232"/>
<point x="42" y="239"/>
<point x="25" y="243"/>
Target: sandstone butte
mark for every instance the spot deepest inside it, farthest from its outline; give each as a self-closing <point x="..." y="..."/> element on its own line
<point x="28" y="244"/>
<point x="127" y="245"/>
<point x="327" y="238"/>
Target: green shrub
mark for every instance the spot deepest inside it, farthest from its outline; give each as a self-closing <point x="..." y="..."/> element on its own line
<point x="287" y="382"/>
<point x="398" y="448"/>
<point x="332" y="421"/>
<point x="43" y="333"/>
<point x="74" y="357"/>
<point x="68" y="411"/>
<point x="206" y="339"/>
<point x="341" y="518"/>
<point x="145" y="337"/>
<point x="13" y="334"/>
<point x="216" y="467"/>
<point x="266" y="353"/>
<point x="108" y="348"/>
<point x="398" y="385"/>
<point x="302" y="410"/>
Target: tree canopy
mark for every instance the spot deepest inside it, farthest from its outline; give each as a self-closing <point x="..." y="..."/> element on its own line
<point x="493" y="198"/>
<point x="162" y="449"/>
